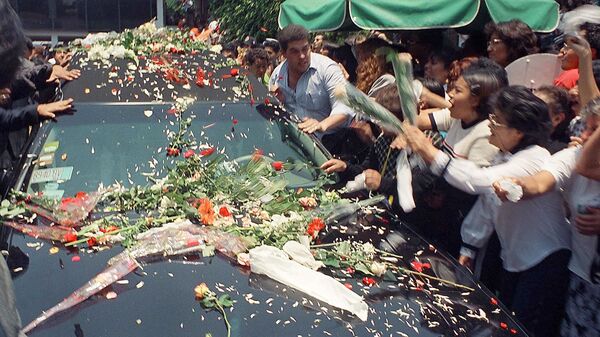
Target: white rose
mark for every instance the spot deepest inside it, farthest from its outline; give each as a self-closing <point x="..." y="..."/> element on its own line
<point x="378" y="268"/>
<point x="368" y="248"/>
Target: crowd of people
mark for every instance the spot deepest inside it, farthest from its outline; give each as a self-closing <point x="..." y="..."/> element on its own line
<point x="480" y="139"/>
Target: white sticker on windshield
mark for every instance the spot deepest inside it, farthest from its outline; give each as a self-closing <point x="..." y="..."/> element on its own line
<point x="52" y="174"/>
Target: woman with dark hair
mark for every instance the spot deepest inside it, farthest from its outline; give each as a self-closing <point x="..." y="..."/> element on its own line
<point x="456" y="68"/>
<point x="466" y="120"/>
<point x="12" y="43"/>
<point x="568" y="172"/>
<point x="533" y="233"/>
<point x="561" y="113"/>
<point x="508" y="41"/>
<point x="441" y="208"/>
<point x="438" y="66"/>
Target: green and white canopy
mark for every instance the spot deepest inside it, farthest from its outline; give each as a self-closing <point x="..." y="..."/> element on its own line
<point x="331" y="15"/>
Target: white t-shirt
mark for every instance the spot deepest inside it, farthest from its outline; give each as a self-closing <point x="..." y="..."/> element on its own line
<point x="579" y="192"/>
<point x="468" y="142"/>
<point x="530" y="229"/>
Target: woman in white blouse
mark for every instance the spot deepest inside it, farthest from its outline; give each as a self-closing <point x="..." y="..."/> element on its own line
<point x="576" y="173"/>
<point x="533" y="234"/>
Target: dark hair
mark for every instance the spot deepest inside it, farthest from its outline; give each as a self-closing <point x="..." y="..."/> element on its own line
<point x="474" y="45"/>
<point x="433" y="86"/>
<point x="592" y="35"/>
<point x="291" y="33"/>
<point x="484" y="77"/>
<point x="273" y="44"/>
<point x="344" y="55"/>
<point x="443" y="56"/>
<point x="558" y="100"/>
<point x="569" y="5"/>
<point x="525" y="112"/>
<point x="518" y="37"/>
<point x="12" y="43"/>
<point x="331" y="47"/>
<point x="255" y="54"/>
<point x="29" y="43"/>
<point x="249" y="41"/>
<point x="389" y="98"/>
<point x="596" y="71"/>
<point x="230" y="47"/>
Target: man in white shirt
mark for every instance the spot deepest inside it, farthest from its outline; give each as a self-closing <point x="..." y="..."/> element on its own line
<point x="305" y="84"/>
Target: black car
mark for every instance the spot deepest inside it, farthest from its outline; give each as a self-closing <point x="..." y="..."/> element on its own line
<point x="118" y="133"/>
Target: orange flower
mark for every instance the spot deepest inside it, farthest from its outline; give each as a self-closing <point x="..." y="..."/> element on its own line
<point x="206" y="212"/>
<point x="315" y="226"/>
<point x="201" y="290"/>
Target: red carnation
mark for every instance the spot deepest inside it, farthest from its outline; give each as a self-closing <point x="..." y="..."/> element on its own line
<point x="207" y="152"/>
<point x="224" y="212"/>
<point x="418" y="266"/>
<point x="172" y="152"/>
<point x="70" y="237"/>
<point x="369" y="281"/>
<point x="92" y="242"/>
<point x="188" y="154"/>
<point x="277" y="165"/>
<point x="234" y="72"/>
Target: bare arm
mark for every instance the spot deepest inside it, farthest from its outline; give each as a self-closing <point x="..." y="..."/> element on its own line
<point x="434" y="100"/>
<point x="423" y="121"/>
<point x="588" y="164"/>
<point x="588" y="89"/>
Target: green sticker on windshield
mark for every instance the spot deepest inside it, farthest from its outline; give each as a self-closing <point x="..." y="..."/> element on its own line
<point x="51" y="146"/>
<point x="52" y="174"/>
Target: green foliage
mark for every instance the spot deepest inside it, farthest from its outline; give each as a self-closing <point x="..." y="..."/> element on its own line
<point x="240" y="18"/>
<point x="9" y="210"/>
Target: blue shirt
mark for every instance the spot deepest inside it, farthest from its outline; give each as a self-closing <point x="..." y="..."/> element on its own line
<point x="314" y="94"/>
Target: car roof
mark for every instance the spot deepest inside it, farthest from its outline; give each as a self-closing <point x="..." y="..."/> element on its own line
<point x="161" y="78"/>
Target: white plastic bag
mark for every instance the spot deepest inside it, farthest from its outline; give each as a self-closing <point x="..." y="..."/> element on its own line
<point x="275" y="263"/>
<point x="302" y="255"/>
<point x="357" y="184"/>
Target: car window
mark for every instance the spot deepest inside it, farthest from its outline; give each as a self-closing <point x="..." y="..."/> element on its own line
<point x="104" y="143"/>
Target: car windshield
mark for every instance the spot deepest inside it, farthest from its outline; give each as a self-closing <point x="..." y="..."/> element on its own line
<point x="106" y="143"/>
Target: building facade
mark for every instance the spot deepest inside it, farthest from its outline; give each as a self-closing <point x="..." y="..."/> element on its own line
<point x="68" y="19"/>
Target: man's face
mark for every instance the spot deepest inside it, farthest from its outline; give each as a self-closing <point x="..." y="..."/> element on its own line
<point x="298" y="56"/>
<point x="568" y="59"/>
<point x="259" y="68"/>
<point x="318" y="42"/>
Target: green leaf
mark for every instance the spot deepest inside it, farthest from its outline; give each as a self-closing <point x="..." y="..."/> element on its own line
<point x="5" y="203"/>
<point x="208" y="251"/>
<point x="361" y="267"/>
<point x="207" y="303"/>
<point x="389" y="276"/>
<point x="332" y="262"/>
<point x="225" y="301"/>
